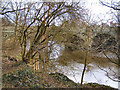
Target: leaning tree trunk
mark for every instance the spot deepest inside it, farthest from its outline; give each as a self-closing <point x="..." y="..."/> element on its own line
<point x="38" y="36"/>
<point x="88" y="44"/>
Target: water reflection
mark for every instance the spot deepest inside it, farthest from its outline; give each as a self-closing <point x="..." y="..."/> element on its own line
<point x="93" y="74"/>
<point x="55" y="48"/>
<point x="73" y="70"/>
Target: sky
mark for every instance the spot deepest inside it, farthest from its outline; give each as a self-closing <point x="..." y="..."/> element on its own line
<point x="97" y="12"/>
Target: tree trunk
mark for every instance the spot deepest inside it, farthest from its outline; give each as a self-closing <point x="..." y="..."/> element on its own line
<point x="38" y="36"/>
<point x="87" y="52"/>
<point x="85" y="64"/>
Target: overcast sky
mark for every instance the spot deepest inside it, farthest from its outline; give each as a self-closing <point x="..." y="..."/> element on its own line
<point x="96" y="10"/>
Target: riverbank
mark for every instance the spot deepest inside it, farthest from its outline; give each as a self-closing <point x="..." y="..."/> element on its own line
<point x="23" y="76"/>
<point x="13" y="71"/>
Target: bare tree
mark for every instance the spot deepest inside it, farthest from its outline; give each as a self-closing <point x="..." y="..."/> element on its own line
<point x="33" y="19"/>
<point x="115" y="6"/>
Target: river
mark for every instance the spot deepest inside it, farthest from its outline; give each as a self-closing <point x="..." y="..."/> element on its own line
<point x="93" y="74"/>
<point x="73" y="70"/>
